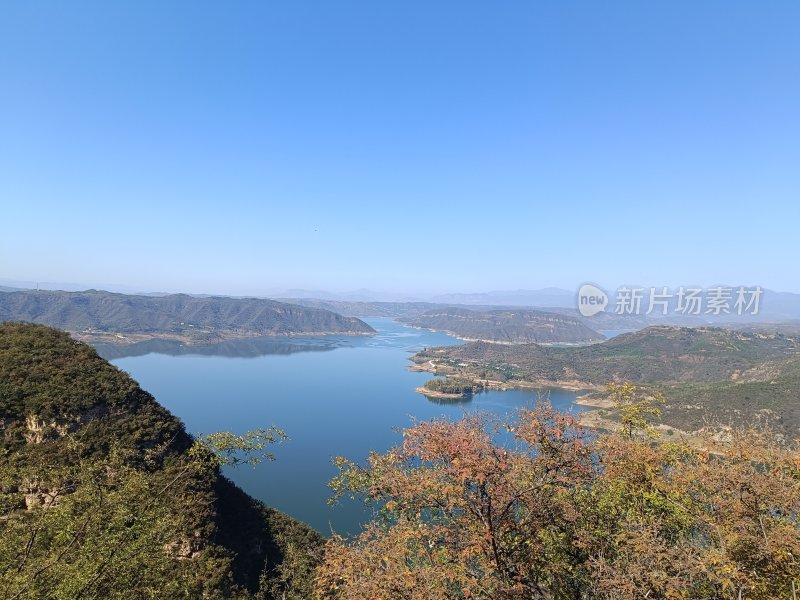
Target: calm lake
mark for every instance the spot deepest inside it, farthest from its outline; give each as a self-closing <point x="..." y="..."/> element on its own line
<point x="332" y="395"/>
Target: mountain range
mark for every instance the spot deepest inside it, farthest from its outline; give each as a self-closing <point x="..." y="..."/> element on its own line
<point x="508" y="326"/>
<point x="104" y="315"/>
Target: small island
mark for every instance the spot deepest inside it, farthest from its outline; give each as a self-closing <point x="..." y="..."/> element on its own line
<point x="450" y="387"/>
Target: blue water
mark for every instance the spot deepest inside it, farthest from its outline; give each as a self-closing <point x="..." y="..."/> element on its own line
<point x="332" y="396"/>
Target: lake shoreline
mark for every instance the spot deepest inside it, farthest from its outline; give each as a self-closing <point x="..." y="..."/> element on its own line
<point x="595" y="414"/>
<point x="443" y="395"/>
<point x="519" y="384"/>
<point x="325" y="401"/>
<point x="504" y="342"/>
<point x="200" y="338"/>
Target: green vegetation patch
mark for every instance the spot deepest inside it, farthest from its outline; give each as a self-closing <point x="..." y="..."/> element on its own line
<point x="454" y="385"/>
<point x="103" y="494"/>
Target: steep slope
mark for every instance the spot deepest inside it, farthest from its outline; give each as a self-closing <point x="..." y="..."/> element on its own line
<point x="176" y="316"/>
<point x="508" y="326"/>
<point x="77" y="436"/>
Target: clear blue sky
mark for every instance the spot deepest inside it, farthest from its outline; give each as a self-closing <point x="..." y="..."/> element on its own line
<point x="240" y="147"/>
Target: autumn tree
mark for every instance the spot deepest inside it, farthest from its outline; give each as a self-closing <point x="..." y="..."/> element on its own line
<point x="540" y="508"/>
<point x="636" y="407"/>
<point x="463" y="517"/>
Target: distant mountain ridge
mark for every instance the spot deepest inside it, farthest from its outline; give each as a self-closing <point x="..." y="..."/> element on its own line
<point x="529" y="298"/>
<point x="510" y="326"/>
<point x="176" y="316"/>
<point x="394" y="310"/>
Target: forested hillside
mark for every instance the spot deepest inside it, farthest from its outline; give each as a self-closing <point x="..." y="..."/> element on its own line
<point x="103" y="494"/>
<point x="707" y="375"/>
<point x="177" y="316"/>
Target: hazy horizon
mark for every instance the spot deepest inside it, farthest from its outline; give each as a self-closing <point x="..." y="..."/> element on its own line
<point x="566" y="295"/>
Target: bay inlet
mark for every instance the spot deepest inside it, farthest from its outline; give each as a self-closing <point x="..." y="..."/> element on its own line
<point x="333" y="396"/>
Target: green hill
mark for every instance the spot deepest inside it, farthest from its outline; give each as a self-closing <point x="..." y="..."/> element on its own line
<point x="99" y="315"/>
<point x="707" y="374"/>
<point x="103" y="494"/>
<point x="508" y="326"/>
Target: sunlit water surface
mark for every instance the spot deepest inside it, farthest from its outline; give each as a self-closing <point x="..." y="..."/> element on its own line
<point x="332" y="395"/>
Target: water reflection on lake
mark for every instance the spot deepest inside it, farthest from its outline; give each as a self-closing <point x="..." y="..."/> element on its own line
<point x="243" y="348"/>
<point x="332" y="395"/>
